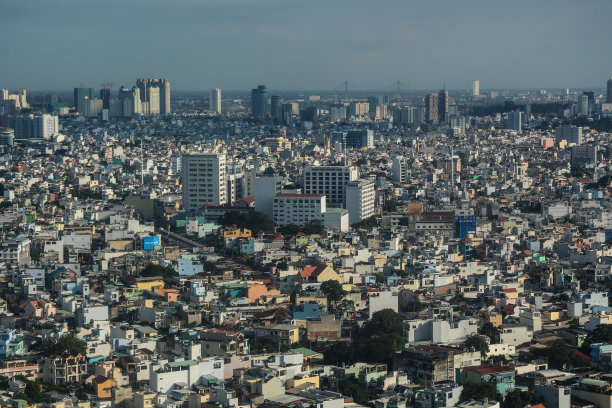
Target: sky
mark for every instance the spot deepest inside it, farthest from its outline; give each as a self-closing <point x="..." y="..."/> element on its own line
<point x="308" y="45"/>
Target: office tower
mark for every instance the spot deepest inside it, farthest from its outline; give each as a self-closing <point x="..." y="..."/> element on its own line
<point x="380" y="112"/>
<point x="337" y="112"/>
<point x="105" y="95"/>
<point x="330" y="181"/>
<point x="266" y="186"/>
<point x="591" y="100"/>
<point x="276" y="108"/>
<point x="583" y="105"/>
<point x="161" y="104"/>
<point x="431" y="108"/>
<point x="259" y="102"/>
<point x="309" y="114"/>
<point x="215" y="100"/>
<point x="609" y="94"/>
<point x="80" y="94"/>
<point x="514" y="121"/>
<point x="34" y="126"/>
<point x="571" y="134"/>
<point x="287" y="114"/>
<point x="443" y="106"/>
<point x="4" y="94"/>
<point x="360" y="138"/>
<point x="360" y="200"/>
<point x="204" y="180"/>
<point x="7" y="136"/>
<point x="154" y="100"/>
<point x="400" y="169"/>
<point x="476" y="88"/>
<point x="128" y="103"/>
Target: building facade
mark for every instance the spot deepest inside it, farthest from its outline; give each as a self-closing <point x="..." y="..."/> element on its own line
<point x="204" y="180"/>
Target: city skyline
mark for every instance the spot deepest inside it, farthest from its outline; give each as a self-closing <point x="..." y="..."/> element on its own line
<point x="235" y="44"/>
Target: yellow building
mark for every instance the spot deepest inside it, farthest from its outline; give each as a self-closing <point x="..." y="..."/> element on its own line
<point x="234" y="233"/>
<point x="149" y="284"/>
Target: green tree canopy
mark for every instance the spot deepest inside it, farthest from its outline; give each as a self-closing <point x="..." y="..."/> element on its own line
<point x="255" y="221"/>
<point x="332" y="289"/>
<point x="492" y="332"/>
<point x="351" y="388"/>
<point x="479" y="391"/>
<point x="158" y="270"/>
<point x="517" y="399"/>
<point x="32" y="392"/>
<point x="478" y="343"/>
<point x="68" y="343"/>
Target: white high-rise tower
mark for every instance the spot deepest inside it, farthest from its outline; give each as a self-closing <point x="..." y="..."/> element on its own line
<point x="476" y="88"/>
<point x="215" y="100"/>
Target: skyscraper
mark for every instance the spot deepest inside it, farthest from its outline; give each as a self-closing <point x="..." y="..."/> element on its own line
<point x="275" y="108"/>
<point x="259" y="102"/>
<point x="105" y="95"/>
<point x="162" y="104"/>
<point x="215" y="100"/>
<point x="204" y="180"/>
<point x="80" y="94"/>
<point x="476" y="88"/>
<point x="514" y="120"/>
<point x="431" y="108"/>
<point x="609" y="94"/>
<point x="443" y="106"/>
<point x="591" y="101"/>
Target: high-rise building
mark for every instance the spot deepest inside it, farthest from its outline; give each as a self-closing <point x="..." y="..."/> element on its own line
<point x="590" y="101"/>
<point x="161" y="104"/>
<point x="259" y="102"/>
<point x="443" y="106"/>
<point x="265" y="187"/>
<point x="609" y="94"/>
<point x="34" y="126"/>
<point x="204" y="180"/>
<point x="80" y="94"/>
<point x="330" y="181"/>
<point x="154" y="100"/>
<point x="359" y="108"/>
<point x="92" y="107"/>
<point x="583" y="104"/>
<point x="571" y="134"/>
<point x="276" y="108"/>
<point x="514" y="121"/>
<point x="476" y="88"/>
<point x="7" y="136"/>
<point x="105" y="95"/>
<point x="215" y="100"/>
<point x="457" y="125"/>
<point x="431" y="108"/>
<point x="360" y="138"/>
<point x="235" y="182"/>
<point x="400" y="169"/>
<point x="337" y="112"/>
<point x="298" y="209"/>
<point x="583" y="154"/>
<point x="360" y="200"/>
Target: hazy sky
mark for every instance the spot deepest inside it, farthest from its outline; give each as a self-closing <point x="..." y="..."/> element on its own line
<point x="314" y="44"/>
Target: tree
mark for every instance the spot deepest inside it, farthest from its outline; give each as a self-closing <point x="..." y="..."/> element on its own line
<point x="351" y="388"/>
<point x="517" y="399"/>
<point x="332" y="289"/>
<point x="492" y="332"/>
<point x="68" y="343"/>
<point x="479" y="391"/>
<point x="157" y="270"/>
<point x="478" y="343"/>
<point x="255" y="221"/>
<point x="384" y="321"/>
<point x="32" y="392"/>
<point x="390" y="205"/>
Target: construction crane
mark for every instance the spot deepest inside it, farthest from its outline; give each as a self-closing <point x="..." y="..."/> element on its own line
<point x="106" y="85"/>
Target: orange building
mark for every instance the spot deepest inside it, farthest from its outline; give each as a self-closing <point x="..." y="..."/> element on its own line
<point x="103" y="386"/>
